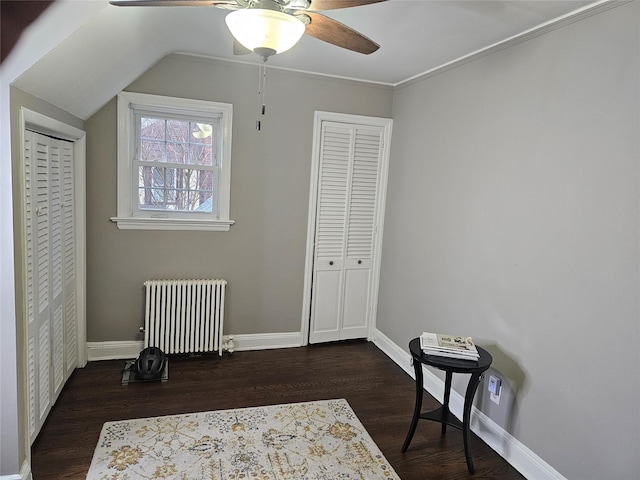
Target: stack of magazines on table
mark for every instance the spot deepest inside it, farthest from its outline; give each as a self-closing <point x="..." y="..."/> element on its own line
<point x="450" y="346"/>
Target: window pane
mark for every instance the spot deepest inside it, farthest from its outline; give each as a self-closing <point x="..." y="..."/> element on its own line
<point x="152" y="151"/>
<point x="157" y="198"/>
<point x="204" y="200"/>
<point x="151" y="181"/>
<point x="182" y="177"/>
<point x="150" y="177"/>
<point x="171" y="177"/>
<point x="144" y="176"/>
<point x="177" y="152"/>
<point x="172" y="197"/>
<point x="201" y="133"/>
<point x="177" y="131"/>
<point x="201" y="143"/>
<point x="157" y="177"/>
<point x="177" y="141"/>
<point x="200" y="155"/>
<point x="152" y="128"/>
<point x="176" y="189"/>
<point x="152" y="139"/>
<point x="205" y="181"/>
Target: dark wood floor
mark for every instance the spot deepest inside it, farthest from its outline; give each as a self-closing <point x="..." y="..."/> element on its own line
<point x="381" y="394"/>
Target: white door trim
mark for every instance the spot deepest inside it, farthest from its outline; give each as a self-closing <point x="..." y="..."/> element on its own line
<point x="319" y="117"/>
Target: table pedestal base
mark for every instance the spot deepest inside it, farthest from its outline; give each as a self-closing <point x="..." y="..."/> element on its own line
<point x="443" y="415"/>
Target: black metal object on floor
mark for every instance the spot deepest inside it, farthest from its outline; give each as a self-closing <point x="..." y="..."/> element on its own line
<point x="129" y="374"/>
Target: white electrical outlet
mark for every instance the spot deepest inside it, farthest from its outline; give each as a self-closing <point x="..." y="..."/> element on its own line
<point x="494" y="387"/>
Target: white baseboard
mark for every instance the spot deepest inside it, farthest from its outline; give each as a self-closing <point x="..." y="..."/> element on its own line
<point x="25" y="473"/>
<point x="16" y="476"/>
<point x="265" y="341"/>
<point x="131" y="349"/>
<point x="510" y="448"/>
<point x="113" y="350"/>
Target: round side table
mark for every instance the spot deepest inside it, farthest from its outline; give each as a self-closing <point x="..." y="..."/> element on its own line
<point x="443" y="414"/>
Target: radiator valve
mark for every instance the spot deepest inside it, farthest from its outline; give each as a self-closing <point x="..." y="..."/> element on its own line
<point x="228" y="345"/>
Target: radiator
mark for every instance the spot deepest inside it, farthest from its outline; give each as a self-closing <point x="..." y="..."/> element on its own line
<point x="184" y="316"/>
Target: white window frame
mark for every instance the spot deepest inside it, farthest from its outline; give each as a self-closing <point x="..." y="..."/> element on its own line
<point x="129" y="216"/>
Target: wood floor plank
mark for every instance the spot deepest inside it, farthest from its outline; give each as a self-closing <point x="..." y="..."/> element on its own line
<point x="381" y="394"/>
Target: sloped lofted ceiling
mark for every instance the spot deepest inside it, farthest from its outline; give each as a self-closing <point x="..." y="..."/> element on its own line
<point x="114" y="45"/>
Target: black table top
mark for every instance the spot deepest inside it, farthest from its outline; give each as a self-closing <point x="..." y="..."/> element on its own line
<point x="451" y="364"/>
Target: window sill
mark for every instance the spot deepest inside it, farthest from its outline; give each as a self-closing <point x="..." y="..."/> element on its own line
<point x="143" y="223"/>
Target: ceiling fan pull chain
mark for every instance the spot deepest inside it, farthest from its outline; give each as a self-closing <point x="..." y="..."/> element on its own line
<point x="259" y="93"/>
<point x="264" y="87"/>
<point x="262" y="84"/>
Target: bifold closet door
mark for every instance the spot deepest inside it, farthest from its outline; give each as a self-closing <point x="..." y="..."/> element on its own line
<point x="348" y="189"/>
<point x="49" y="271"/>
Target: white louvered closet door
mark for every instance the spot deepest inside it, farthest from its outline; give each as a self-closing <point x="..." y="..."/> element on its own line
<point x="49" y="259"/>
<point x="68" y="252"/>
<point x="346" y="218"/>
<point x="38" y="259"/>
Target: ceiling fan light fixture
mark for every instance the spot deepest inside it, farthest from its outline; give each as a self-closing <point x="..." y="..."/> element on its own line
<point x="265" y="31"/>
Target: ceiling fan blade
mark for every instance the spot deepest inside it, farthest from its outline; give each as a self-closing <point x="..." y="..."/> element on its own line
<point x="335" y="4"/>
<point x="331" y="31"/>
<point x="171" y="3"/>
<point x="239" y="49"/>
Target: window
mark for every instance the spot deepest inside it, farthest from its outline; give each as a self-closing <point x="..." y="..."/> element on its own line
<point x="174" y="163"/>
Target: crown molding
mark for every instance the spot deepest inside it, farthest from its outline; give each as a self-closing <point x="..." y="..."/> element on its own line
<point x="569" y="18"/>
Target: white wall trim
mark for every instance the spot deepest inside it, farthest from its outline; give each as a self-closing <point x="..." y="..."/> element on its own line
<point x="571" y="17"/>
<point x="143" y="223"/>
<point x="130" y="349"/>
<point x="14" y="477"/>
<point x="510" y="448"/>
<point x="130" y="215"/>
<point x="113" y="350"/>
<point x="266" y="341"/>
<point x="25" y="473"/>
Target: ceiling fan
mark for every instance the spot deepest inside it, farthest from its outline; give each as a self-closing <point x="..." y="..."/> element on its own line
<point x="267" y="27"/>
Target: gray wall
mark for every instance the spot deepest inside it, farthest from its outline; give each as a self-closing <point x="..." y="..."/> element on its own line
<point x="262" y="256"/>
<point x="512" y="216"/>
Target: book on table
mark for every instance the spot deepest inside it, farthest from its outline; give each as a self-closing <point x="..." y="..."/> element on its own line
<point x="451" y="346"/>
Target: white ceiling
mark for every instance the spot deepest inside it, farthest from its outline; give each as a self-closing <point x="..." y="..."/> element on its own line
<point x="115" y="45"/>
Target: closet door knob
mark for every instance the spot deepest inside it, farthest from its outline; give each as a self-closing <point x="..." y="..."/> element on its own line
<point x="331" y="262"/>
<point x="359" y="262"/>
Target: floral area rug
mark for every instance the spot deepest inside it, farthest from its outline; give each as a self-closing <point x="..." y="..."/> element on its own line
<point x="321" y="440"/>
